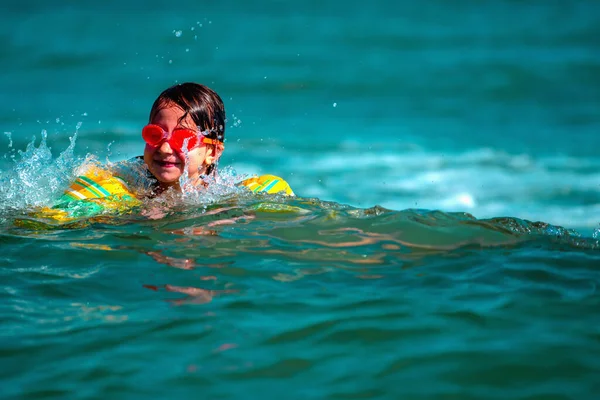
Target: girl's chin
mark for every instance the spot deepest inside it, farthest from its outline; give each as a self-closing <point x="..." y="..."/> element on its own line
<point x="170" y="176"/>
<point x="167" y="176"/>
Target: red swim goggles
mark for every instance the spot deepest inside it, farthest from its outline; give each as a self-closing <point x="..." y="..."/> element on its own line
<point x="154" y="135"/>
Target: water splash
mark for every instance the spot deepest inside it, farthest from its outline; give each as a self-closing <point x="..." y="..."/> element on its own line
<point x="38" y="178"/>
<point x="217" y="188"/>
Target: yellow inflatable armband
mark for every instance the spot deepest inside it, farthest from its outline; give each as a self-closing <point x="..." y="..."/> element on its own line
<point x="94" y="192"/>
<point x="96" y="183"/>
<point x="267" y="184"/>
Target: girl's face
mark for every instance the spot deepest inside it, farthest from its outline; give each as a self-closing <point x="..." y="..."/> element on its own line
<point x="166" y="164"/>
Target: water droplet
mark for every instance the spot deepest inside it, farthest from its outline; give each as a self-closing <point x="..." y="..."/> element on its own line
<point x="178" y="33"/>
<point x="170" y="61"/>
<point x="187" y="50"/>
<point x="9" y="135"/>
<point x="236" y="121"/>
<point x="335" y="104"/>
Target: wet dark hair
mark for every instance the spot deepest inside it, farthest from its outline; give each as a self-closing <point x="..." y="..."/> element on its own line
<point x="202" y="104"/>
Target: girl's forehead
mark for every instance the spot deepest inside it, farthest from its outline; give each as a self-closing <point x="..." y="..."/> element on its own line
<point x="170" y="115"/>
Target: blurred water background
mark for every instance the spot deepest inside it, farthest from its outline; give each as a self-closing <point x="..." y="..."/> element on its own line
<point x="490" y="108"/>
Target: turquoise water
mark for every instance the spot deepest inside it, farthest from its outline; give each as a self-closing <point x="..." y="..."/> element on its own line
<point x="423" y="142"/>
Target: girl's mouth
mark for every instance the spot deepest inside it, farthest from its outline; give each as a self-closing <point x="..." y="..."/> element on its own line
<point x="166" y="164"/>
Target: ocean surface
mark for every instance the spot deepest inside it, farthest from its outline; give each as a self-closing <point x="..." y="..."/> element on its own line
<point x="443" y="244"/>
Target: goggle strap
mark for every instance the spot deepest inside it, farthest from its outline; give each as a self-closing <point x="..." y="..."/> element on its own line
<point x="215" y="142"/>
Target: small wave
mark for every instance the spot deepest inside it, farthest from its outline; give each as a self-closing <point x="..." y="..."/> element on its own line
<point x="488" y="183"/>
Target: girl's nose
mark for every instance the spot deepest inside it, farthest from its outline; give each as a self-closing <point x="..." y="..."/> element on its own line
<point x="165" y="147"/>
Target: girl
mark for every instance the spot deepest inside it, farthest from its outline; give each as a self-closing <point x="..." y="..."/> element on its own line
<point x="184" y="140"/>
